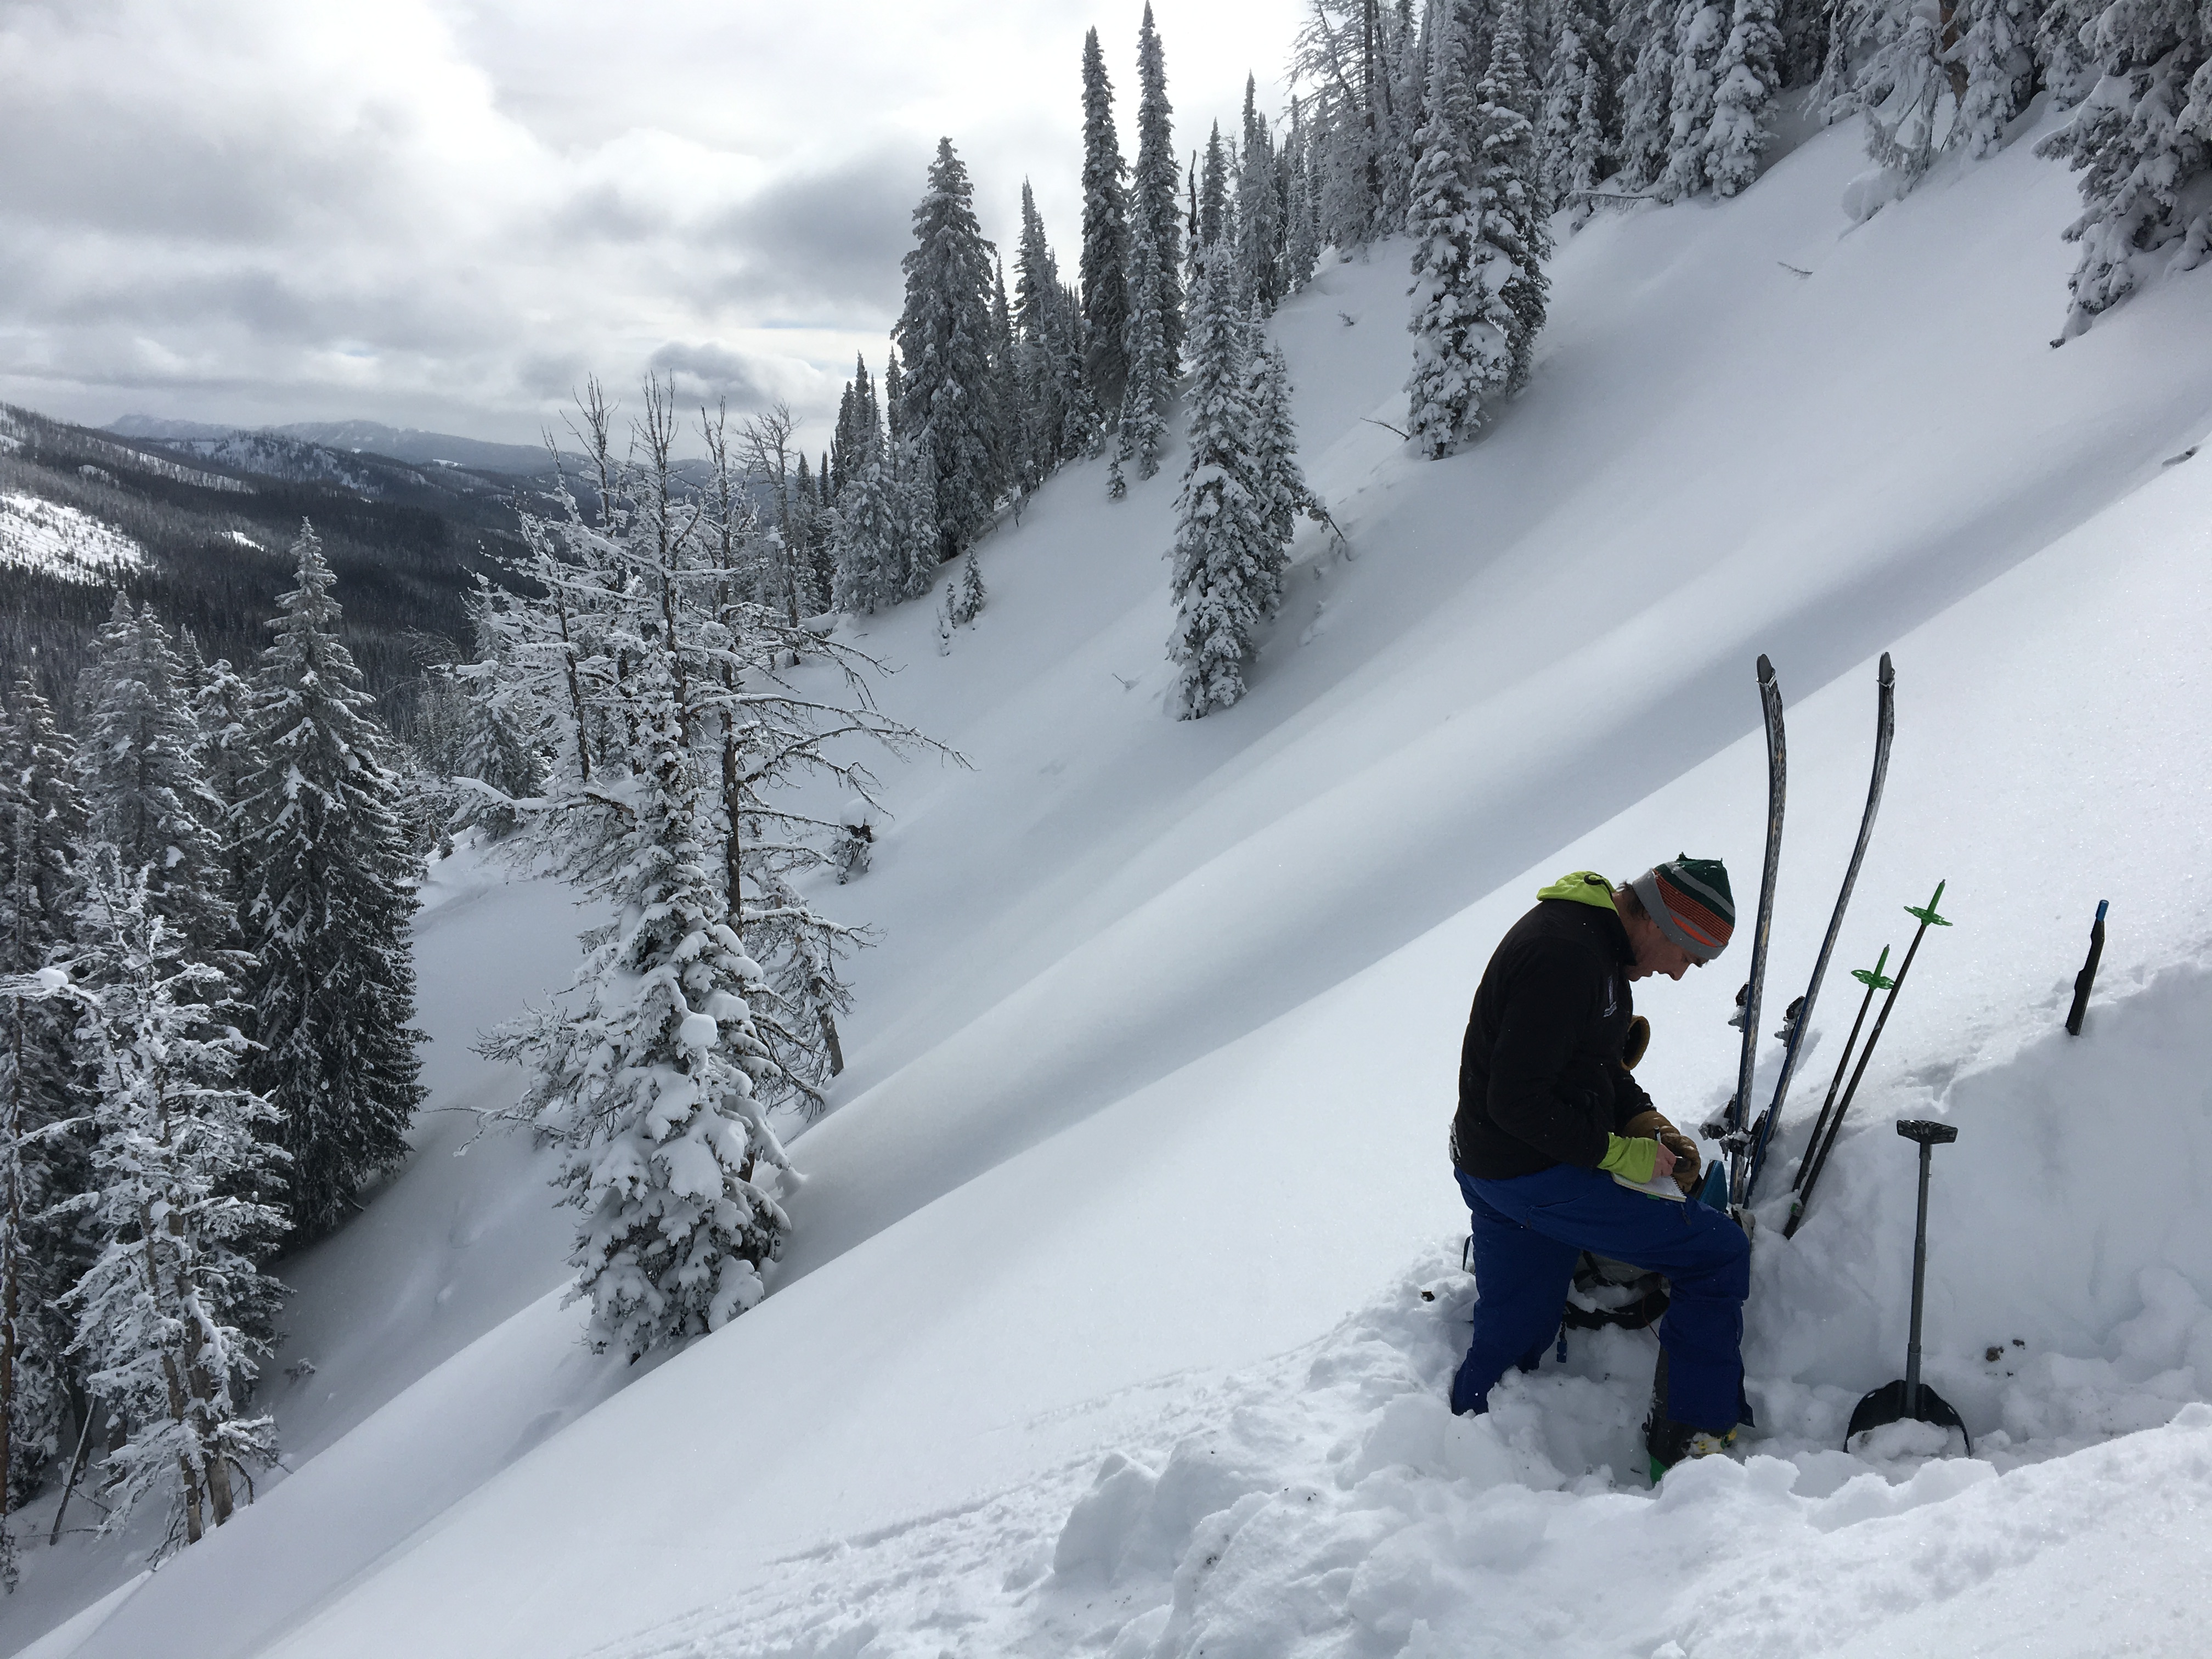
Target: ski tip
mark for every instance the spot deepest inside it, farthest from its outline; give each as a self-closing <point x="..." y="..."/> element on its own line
<point x="2101" y="905"/>
<point x="1886" y="674"/>
<point x="1765" y="669"/>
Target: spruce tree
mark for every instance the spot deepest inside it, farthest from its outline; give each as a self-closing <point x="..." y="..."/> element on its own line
<point x="1047" y="355"/>
<point x="141" y="778"/>
<point x="1155" y="187"/>
<point x="1224" y="579"/>
<point x="2143" y="144"/>
<point x="1105" y="269"/>
<point x="648" y="1086"/>
<point x="1999" y="66"/>
<point x="1515" y="237"/>
<point x="332" y="985"/>
<point x="1701" y="32"/>
<point x="223" y="709"/>
<point x="1457" y="339"/>
<point x="1301" y="229"/>
<point x="948" y="404"/>
<point x="1578" y="103"/>
<point x="159" y="1314"/>
<point x="1144" y="406"/>
<point x="913" y="564"/>
<point x="868" y="540"/>
<point x="1279" y="483"/>
<point x="1259" y="211"/>
<point x="1644" y="36"/>
<point x="1214" y="210"/>
<point x="42" y="1161"/>
<point x="500" y="742"/>
<point x="1748" y="75"/>
<point x="1009" y="387"/>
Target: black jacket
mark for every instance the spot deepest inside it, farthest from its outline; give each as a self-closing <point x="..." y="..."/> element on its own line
<point x="1540" y="1080"/>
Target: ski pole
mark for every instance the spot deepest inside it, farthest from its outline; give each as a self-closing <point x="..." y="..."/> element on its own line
<point x="1928" y="918"/>
<point x="2088" y="976"/>
<point x="1873" y="980"/>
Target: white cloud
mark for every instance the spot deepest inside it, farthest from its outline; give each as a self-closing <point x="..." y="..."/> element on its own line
<point x="443" y="214"/>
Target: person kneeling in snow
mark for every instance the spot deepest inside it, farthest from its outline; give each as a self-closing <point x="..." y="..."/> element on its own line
<point x="1548" y="1118"/>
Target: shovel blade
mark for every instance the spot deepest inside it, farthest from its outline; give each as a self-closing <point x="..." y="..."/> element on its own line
<point x="1887" y="1404"/>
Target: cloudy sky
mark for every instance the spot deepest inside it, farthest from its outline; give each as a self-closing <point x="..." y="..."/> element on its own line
<point x="445" y="213"/>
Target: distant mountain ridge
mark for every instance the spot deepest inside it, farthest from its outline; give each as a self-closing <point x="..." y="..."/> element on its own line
<point x="408" y="444"/>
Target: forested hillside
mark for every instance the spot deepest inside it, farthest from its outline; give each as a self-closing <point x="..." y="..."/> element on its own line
<point x="212" y="532"/>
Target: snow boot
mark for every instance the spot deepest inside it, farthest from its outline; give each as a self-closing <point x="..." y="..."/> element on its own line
<point x="1666" y="1441"/>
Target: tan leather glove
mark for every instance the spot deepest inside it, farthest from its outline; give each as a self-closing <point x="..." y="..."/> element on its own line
<point x="1651" y="1125"/>
<point x="1638" y="1040"/>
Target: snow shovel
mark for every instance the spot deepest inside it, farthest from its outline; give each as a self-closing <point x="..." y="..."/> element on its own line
<point x="1908" y="1398"/>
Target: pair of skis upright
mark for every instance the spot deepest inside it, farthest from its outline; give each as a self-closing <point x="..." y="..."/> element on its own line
<point x="1745" y="1140"/>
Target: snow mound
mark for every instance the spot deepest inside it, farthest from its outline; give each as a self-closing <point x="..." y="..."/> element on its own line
<point x="1327" y="1503"/>
<point x="58" y="540"/>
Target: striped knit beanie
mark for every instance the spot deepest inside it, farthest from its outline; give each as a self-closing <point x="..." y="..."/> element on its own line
<point x="1689" y="900"/>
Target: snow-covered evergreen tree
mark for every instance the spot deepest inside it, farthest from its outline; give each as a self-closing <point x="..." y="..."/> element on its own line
<point x="1748" y="74"/>
<point x="1459" y="354"/>
<point x="1154" y="187"/>
<point x="921" y="549"/>
<point x="1259" y="211"/>
<point x="1144" y="405"/>
<point x="1215" y="212"/>
<point x="1515" y="237"/>
<point x="1900" y="80"/>
<point x="1578" y="106"/>
<point x="2143" y="144"/>
<point x="947" y="401"/>
<point x="1646" y="47"/>
<point x="500" y="743"/>
<point x="810" y="549"/>
<point x="2065" y="49"/>
<point x="649" y="1085"/>
<point x="1226" y="577"/>
<point x="860" y="429"/>
<point x="1359" y="64"/>
<point x="1929" y="77"/>
<point x="870" y="539"/>
<point x="140" y="776"/>
<point x="657" y="1078"/>
<point x="159" y="1313"/>
<point x="1048" y="340"/>
<point x="41" y="1162"/>
<point x="1997" y="57"/>
<point x="1301" y="228"/>
<point x="332" y="984"/>
<point x="1279" y="483"/>
<point x="223" y="709"/>
<point x="968" y="593"/>
<point x="1701" y="32"/>
<point x="1105" y="269"/>
<point x="1009" y="387"/>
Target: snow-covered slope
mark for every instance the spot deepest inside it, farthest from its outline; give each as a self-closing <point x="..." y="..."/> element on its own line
<point x="1141" y="1158"/>
<point x="59" y="540"/>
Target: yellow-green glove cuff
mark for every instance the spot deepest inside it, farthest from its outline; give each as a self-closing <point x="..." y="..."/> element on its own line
<point x="1631" y="1160"/>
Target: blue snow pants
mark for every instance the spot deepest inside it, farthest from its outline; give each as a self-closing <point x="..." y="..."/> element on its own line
<point x="1528" y="1232"/>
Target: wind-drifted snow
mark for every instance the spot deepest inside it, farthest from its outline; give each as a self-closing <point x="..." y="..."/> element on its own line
<point x="59" y="540"/>
<point x="1102" y="1328"/>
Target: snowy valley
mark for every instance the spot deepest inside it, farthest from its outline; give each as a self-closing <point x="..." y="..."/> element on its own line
<point x="1124" y="1290"/>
